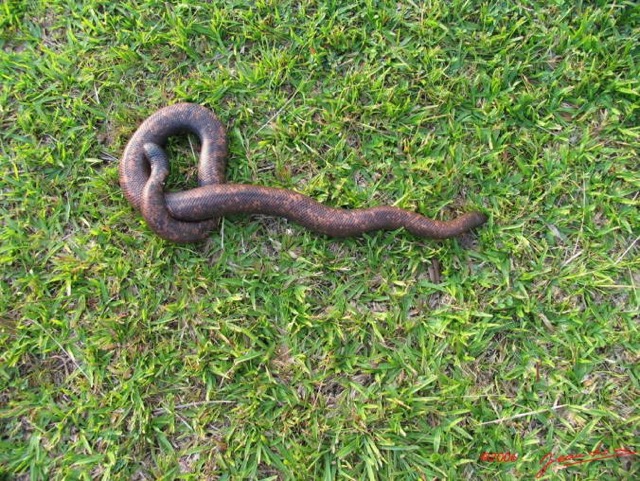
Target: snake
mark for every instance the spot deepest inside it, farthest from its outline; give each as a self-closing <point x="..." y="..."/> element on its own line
<point x="191" y="215"/>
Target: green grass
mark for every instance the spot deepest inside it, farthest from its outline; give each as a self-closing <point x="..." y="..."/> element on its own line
<point x="269" y="352"/>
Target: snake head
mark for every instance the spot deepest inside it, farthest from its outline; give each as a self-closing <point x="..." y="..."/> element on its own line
<point x="153" y="204"/>
<point x="158" y="160"/>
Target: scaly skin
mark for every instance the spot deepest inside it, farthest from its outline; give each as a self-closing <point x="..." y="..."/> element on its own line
<point x="190" y="216"/>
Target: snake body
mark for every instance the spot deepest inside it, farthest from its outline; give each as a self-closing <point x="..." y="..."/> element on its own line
<point x="191" y="215"/>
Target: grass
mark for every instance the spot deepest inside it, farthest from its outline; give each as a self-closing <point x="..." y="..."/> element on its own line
<point x="269" y="352"/>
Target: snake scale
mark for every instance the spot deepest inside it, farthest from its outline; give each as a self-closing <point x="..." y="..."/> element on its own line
<point x="190" y="216"/>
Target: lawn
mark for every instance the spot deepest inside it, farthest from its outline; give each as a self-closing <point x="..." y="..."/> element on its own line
<point x="270" y="352"/>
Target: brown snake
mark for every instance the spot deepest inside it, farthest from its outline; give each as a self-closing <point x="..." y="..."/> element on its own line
<point x="191" y="215"/>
